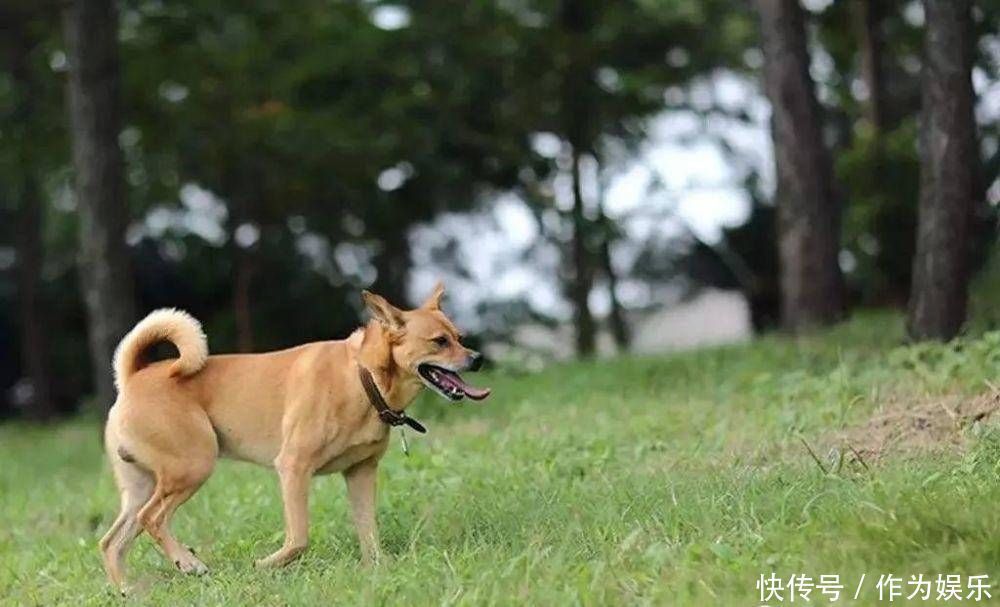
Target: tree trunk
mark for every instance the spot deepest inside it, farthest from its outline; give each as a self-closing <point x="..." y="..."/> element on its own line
<point x="582" y="281"/>
<point x="91" y="31"/>
<point x="576" y="17"/>
<point x="28" y="238"/>
<point x="808" y="209"/>
<point x="869" y="26"/>
<point x="948" y="178"/>
<point x="616" y="317"/>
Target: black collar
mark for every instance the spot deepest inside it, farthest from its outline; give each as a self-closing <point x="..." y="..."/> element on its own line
<point x="386" y="414"/>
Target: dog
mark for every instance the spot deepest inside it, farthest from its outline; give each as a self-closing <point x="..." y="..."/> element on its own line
<point x="314" y="409"/>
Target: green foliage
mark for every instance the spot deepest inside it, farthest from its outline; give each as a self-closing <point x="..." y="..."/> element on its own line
<point x="972" y="361"/>
<point x="676" y="479"/>
<point x="984" y="295"/>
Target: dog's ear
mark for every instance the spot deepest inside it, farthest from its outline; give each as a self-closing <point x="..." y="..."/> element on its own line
<point x="434" y="301"/>
<point x="389" y="315"/>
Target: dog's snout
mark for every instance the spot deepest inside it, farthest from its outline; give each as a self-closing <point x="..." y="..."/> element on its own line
<point x="475" y="361"/>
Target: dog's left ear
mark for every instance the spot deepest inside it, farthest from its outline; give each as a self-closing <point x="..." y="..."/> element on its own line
<point x="434" y="301"/>
<point x="389" y="315"/>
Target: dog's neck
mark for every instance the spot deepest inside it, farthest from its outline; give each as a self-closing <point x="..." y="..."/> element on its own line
<point x="398" y="387"/>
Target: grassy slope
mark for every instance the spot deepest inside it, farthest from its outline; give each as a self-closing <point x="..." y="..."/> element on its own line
<point x="660" y="480"/>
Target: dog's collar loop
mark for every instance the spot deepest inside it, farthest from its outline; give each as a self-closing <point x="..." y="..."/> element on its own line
<point x="385" y="413"/>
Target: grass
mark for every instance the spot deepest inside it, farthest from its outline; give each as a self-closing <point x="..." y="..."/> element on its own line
<point x="662" y="480"/>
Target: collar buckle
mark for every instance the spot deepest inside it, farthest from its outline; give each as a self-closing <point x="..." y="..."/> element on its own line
<point x="388" y="415"/>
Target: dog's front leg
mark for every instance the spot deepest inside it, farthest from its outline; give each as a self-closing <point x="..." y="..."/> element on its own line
<point x="295" y="474"/>
<point x="361" y="481"/>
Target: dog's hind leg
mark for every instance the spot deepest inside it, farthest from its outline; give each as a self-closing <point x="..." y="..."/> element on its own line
<point x="172" y="490"/>
<point x="135" y="486"/>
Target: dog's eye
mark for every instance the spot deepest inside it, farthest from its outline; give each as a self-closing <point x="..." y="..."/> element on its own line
<point x="440" y="340"/>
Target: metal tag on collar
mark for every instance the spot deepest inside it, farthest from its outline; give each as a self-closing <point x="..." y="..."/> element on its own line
<point x="405" y="445"/>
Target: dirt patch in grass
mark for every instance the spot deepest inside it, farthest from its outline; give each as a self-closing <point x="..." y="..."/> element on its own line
<point x="910" y="425"/>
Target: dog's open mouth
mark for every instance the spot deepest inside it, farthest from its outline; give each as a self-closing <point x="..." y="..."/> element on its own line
<point x="450" y="384"/>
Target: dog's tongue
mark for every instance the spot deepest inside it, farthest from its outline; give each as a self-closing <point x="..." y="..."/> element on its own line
<point x="471" y="391"/>
<point x="475" y="393"/>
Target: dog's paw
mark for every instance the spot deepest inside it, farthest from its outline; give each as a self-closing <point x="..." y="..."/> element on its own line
<point x="190" y="564"/>
<point x="271" y="562"/>
<point x="282" y="557"/>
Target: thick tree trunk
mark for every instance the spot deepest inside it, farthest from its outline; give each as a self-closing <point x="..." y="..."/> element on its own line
<point x="582" y="280"/>
<point x="28" y="239"/>
<point x="948" y="178"/>
<point x="869" y="27"/>
<point x="808" y="209"/>
<point x="91" y="31"/>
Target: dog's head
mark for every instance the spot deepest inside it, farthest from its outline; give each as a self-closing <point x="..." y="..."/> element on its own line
<point x="425" y="344"/>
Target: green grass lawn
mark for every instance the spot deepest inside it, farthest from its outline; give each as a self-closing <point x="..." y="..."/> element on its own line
<point x="673" y="480"/>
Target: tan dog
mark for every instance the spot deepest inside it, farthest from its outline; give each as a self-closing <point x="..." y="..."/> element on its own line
<point x="303" y="411"/>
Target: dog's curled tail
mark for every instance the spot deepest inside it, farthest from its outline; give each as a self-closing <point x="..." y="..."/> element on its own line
<point x="167" y="324"/>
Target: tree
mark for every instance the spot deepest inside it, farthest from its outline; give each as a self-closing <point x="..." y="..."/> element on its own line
<point x="948" y="174"/>
<point x="576" y="21"/>
<point x="609" y="232"/>
<point x="596" y="73"/>
<point x="22" y="41"/>
<point x="91" y="32"/>
<point x="808" y="209"/>
<point x="873" y="141"/>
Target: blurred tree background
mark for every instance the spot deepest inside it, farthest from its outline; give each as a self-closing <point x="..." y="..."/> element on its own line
<point x="276" y="157"/>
